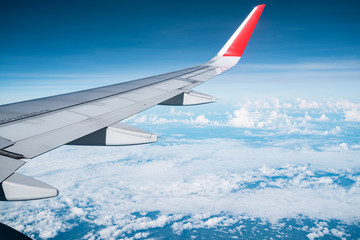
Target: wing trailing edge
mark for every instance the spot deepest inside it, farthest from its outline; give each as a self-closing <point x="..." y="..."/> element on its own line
<point x="189" y="99"/>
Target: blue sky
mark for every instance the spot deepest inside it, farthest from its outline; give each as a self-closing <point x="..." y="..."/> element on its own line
<point x="53" y="47"/>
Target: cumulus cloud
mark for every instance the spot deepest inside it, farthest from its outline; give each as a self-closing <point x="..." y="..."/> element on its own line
<point x="323" y="118"/>
<point x="280" y="121"/>
<point x="338" y="233"/>
<point x="242" y="118"/>
<point x="322" y="229"/>
<point x="180" y="113"/>
<point x="343" y="104"/>
<point x="300" y="116"/>
<point x="337" y="147"/>
<point x="271" y="115"/>
<point x="305" y="104"/>
<point x="201" y="119"/>
<point x="352" y="115"/>
<point x="319" y="231"/>
<point x="155" y="119"/>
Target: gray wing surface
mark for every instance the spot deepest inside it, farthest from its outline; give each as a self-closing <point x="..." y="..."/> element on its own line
<point x="40" y="125"/>
<point x="92" y="117"/>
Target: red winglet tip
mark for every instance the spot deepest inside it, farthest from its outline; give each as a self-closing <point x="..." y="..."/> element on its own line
<point x="239" y="44"/>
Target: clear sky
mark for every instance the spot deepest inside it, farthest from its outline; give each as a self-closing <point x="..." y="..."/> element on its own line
<point x="50" y="47"/>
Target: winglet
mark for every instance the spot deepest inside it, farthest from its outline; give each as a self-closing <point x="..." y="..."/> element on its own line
<point x="236" y="45"/>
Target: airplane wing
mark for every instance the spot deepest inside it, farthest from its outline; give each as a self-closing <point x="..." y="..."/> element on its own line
<point x="92" y="117"/>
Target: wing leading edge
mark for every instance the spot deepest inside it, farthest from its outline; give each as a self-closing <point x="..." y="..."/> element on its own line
<point x="91" y="117"/>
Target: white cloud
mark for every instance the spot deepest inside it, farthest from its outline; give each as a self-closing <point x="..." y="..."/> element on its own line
<point x="344" y="104"/>
<point x="280" y="121"/>
<point x="323" y="118"/>
<point x="306" y="131"/>
<point x="322" y="228"/>
<point x="338" y="233"/>
<point x="344" y="146"/>
<point x="336" y="148"/>
<point x="266" y="115"/>
<point x="202" y="221"/>
<point x="201" y="119"/>
<point x="242" y="119"/>
<point x="352" y="115"/>
<point x="355" y="146"/>
<point x="77" y="211"/>
<point x="141" y="235"/>
<point x="286" y="117"/>
<point x="180" y="113"/>
<point x="305" y="104"/>
<point x="307" y="117"/>
<point x="319" y="231"/>
<point x="155" y="119"/>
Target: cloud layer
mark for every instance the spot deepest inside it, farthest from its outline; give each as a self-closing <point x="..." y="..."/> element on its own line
<point x="261" y="164"/>
<point x="189" y="184"/>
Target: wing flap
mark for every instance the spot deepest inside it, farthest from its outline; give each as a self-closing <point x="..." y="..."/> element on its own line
<point x="118" y="134"/>
<point x="189" y="99"/>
